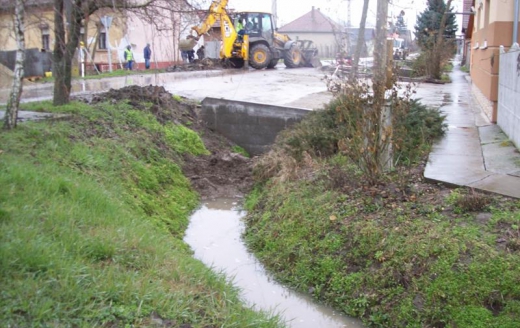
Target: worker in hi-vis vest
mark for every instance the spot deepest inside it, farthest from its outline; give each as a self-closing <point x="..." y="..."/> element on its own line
<point x="129" y="57"/>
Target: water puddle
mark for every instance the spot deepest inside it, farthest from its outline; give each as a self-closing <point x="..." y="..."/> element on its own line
<point x="214" y="234"/>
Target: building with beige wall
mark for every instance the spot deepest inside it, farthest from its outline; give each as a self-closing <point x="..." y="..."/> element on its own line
<point x="38" y="22"/>
<point x="492" y="27"/>
<point x="161" y="28"/>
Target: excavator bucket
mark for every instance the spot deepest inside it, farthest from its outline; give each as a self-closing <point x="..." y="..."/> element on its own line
<point x="309" y="53"/>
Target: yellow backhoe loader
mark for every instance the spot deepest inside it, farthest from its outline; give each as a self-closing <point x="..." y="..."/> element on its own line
<point x="250" y="38"/>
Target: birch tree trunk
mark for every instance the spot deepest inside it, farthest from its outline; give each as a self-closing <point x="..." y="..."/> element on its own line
<point x="13" y="104"/>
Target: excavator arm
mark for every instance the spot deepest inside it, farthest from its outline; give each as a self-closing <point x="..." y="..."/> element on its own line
<point x="217" y="11"/>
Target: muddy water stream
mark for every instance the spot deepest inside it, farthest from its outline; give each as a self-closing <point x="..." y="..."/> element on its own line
<point x="214" y="234"/>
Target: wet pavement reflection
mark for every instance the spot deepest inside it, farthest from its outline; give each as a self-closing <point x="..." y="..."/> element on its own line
<point x="214" y="234"/>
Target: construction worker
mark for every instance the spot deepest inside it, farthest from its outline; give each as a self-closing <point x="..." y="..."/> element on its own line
<point x="129" y="57"/>
<point x="186" y="47"/>
<point x="147" y="54"/>
<point x="239" y="27"/>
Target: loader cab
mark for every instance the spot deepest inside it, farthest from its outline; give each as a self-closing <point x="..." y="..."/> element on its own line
<point x="257" y="25"/>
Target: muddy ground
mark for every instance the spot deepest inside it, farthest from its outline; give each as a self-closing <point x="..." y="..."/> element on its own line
<point x="223" y="173"/>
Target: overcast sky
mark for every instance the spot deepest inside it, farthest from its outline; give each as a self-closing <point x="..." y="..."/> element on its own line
<point x="289" y="10"/>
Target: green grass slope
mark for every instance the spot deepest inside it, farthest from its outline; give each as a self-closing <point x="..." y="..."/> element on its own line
<point x="93" y="208"/>
<point x="397" y="253"/>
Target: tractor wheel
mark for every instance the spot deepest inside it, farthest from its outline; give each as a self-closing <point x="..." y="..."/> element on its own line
<point x="293" y="57"/>
<point x="273" y="62"/>
<point x="259" y="56"/>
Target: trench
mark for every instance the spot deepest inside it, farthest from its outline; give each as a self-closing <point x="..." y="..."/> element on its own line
<point x="214" y="235"/>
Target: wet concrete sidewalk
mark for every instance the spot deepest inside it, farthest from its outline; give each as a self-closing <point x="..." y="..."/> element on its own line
<point x="473" y="153"/>
<point x="24" y="116"/>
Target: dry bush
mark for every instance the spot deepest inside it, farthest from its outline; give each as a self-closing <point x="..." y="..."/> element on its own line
<point x="472" y="202"/>
<point x="278" y="166"/>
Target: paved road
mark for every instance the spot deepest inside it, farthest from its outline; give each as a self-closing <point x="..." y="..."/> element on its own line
<point x="301" y="87"/>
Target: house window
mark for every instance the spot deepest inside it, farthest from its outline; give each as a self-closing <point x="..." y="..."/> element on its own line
<point x="102" y="42"/>
<point x="46" y="44"/>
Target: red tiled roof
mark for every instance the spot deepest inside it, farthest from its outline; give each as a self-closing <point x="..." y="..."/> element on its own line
<point x="313" y="21"/>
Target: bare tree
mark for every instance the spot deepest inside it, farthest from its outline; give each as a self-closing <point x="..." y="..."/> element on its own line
<point x="13" y="104"/>
<point x="380" y="113"/>
<point x="360" y="39"/>
<point x="439" y="46"/>
<point x="64" y="47"/>
<point x="379" y="77"/>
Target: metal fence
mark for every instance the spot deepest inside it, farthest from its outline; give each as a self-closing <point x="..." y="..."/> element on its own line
<point x="508" y="113"/>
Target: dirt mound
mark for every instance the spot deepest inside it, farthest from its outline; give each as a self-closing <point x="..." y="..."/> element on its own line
<point x="198" y="65"/>
<point x="223" y="173"/>
<point x="165" y="107"/>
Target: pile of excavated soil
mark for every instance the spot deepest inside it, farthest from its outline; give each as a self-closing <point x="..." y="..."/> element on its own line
<point x="223" y="173"/>
<point x="198" y="65"/>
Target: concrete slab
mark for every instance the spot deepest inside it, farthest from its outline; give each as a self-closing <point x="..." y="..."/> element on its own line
<point x="501" y="157"/>
<point x="24" y="116"/>
<point x="451" y="162"/>
<point x="455" y="131"/>
<point x="499" y="183"/>
<point x="457" y="178"/>
<point x="460" y="119"/>
<point x="461" y="146"/>
<point x="491" y="134"/>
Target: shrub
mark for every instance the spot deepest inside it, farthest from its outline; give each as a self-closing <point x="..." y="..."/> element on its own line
<point x="471" y="201"/>
<point x="415" y="131"/>
<point x="347" y="125"/>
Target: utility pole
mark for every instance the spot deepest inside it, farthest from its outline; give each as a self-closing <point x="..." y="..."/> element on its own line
<point x="349" y="21"/>
<point x="360" y="39"/>
<point x="274" y="11"/>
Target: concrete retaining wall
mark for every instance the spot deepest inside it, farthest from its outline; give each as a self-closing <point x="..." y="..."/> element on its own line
<point x="508" y="114"/>
<point x="252" y="126"/>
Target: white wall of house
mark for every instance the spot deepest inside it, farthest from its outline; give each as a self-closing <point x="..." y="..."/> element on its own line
<point x="163" y="43"/>
<point x="509" y="95"/>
